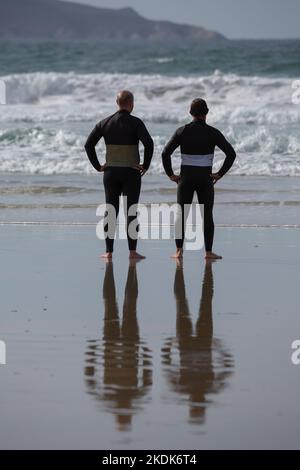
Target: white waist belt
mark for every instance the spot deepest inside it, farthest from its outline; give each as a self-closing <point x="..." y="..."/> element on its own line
<point x="197" y="160"/>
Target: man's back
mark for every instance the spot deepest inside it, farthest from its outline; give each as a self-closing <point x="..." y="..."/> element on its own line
<point x="197" y="141"/>
<point x="121" y="128"/>
<point x="122" y="133"/>
<point x="198" y="138"/>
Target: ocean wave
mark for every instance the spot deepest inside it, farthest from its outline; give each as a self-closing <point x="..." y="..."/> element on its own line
<point x="48" y="152"/>
<point x="161" y="60"/>
<point x="262" y="140"/>
<point x="255" y="113"/>
<point x="240" y="115"/>
<point x="73" y="166"/>
<point x="55" y="97"/>
<point x="219" y="87"/>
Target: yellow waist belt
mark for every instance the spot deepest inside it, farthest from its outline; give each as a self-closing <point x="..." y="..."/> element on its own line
<point x="122" y="155"/>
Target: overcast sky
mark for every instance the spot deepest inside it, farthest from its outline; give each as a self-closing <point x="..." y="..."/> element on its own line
<point x="233" y="18"/>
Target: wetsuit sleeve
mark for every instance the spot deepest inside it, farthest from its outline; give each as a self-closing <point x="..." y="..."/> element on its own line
<point x="147" y="142"/>
<point x="171" y="146"/>
<point x="229" y="151"/>
<point x="90" y="145"/>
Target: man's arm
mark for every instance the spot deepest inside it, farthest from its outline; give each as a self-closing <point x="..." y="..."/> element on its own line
<point x="171" y="146"/>
<point x="229" y="151"/>
<point x="147" y="142"/>
<point x="90" y="145"/>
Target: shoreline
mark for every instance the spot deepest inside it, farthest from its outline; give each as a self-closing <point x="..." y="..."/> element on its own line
<point x="94" y="224"/>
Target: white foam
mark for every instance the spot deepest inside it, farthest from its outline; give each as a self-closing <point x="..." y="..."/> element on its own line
<point x="255" y="113"/>
<point x="163" y="91"/>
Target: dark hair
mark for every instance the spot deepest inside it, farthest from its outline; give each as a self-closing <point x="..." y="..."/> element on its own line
<point x="198" y="107"/>
<point x="124" y="98"/>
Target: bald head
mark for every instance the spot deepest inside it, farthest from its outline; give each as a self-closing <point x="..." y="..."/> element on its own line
<point x="125" y="100"/>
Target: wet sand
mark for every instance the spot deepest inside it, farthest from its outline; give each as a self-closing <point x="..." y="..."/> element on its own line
<point x="153" y="355"/>
<point x="261" y="200"/>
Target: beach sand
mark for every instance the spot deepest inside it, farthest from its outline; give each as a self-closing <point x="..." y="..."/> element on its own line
<point x="156" y="355"/>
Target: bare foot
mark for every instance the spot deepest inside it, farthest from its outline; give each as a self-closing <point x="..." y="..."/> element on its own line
<point x="107" y="256"/>
<point x="178" y="254"/>
<point x="135" y="255"/>
<point x="212" y="255"/>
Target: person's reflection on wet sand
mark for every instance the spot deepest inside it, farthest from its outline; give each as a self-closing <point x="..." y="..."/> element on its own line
<point x="203" y="365"/>
<point x="119" y="369"/>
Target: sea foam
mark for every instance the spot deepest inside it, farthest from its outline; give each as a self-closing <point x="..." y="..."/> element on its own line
<point x="46" y="120"/>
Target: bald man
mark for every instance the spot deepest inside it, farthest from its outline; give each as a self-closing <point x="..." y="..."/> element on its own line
<point x="122" y="133"/>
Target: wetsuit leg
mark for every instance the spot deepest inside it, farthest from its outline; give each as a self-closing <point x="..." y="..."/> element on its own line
<point x="131" y="188"/>
<point x="113" y="188"/>
<point x="209" y="226"/>
<point x="205" y="194"/>
<point x="185" y="193"/>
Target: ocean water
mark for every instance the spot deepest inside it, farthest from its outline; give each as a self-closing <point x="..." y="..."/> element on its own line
<point x="56" y="92"/>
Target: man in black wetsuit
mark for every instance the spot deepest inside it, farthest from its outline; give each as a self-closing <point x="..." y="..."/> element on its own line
<point x="197" y="141"/>
<point x="122" y="170"/>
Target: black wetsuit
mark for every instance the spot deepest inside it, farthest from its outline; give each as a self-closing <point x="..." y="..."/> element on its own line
<point x="122" y="133"/>
<point x="197" y="141"/>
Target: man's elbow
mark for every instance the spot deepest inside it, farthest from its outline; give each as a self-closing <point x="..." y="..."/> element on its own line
<point x="150" y="145"/>
<point x="231" y="154"/>
<point x="87" y="146"/>
<point x="164" y="154"/>
<point x="148" y="153"/>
